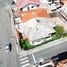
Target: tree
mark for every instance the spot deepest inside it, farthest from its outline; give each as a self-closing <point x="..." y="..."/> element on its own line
<point x="59" y="29"/>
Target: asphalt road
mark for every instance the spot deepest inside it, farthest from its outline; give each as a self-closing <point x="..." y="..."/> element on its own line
<point x="48" y="53"/>
<point x="9" y="59"/>
<point x="4" y="2"/>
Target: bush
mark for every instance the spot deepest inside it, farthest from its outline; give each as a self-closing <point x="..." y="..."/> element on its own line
<point x="26" y="44"/>
<point x="59" y="32"/>
<point x="65" y="35"/>
<point x="59" y="29"/>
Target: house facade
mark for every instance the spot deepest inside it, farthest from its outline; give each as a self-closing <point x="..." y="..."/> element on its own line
<point x="24" y="3"/>
<point x="30" y="6"/>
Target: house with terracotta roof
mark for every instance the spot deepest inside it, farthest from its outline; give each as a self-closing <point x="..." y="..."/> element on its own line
<point x="27" y="15"/>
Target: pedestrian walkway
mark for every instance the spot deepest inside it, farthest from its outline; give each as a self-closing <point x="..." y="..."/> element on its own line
<point x="24" y="61"/>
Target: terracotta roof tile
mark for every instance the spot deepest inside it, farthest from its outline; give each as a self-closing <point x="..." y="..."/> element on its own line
<point x="27" y="15"/>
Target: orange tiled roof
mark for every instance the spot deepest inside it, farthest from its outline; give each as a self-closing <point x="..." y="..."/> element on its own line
<point x="27" y="15"/>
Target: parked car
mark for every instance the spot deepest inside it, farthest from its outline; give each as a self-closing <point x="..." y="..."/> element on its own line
<point x="48" y="63"/>
<point x="45" y="65"/>
<point x="8" y="47"/>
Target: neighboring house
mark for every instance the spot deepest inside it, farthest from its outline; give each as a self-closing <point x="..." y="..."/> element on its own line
<point x="27" y="4"/>
<point x="30" y="6"/>
<point x="35" y="13"/>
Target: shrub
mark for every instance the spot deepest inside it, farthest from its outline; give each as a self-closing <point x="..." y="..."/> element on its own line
<point x="65" y="35"/>
<point x="59" y="29"/>
<point x="26" y="44"/>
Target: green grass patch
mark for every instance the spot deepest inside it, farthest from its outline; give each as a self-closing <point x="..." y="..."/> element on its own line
<point x="26" y="44"/>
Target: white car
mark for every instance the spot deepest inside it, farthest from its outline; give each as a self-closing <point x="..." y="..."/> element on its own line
<point x="8" y="47"/>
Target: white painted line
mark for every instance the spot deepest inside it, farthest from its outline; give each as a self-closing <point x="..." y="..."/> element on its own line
<point x="25" y="58"/>
<point x="26" y="65"/>
<point x="34" y="58"/>
<point x="24" y="62"/>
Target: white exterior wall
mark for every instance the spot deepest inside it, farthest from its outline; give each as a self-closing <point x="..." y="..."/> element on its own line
<point x="30" y="7"/>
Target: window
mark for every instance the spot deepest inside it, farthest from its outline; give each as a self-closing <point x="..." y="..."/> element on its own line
<point x="32" y="6"/>
<point x="38" y="5"/>
<point x="38" y="20"/>
<point x="21" y="9"/>
<point x="27" y="8"/>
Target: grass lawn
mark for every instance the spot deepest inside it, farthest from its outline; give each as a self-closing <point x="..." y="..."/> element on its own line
<point x="26" y="44"/>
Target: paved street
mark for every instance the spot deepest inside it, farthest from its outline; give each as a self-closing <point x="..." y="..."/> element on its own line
<point x="48" y="53"/>
<point x="9" y="59"/>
